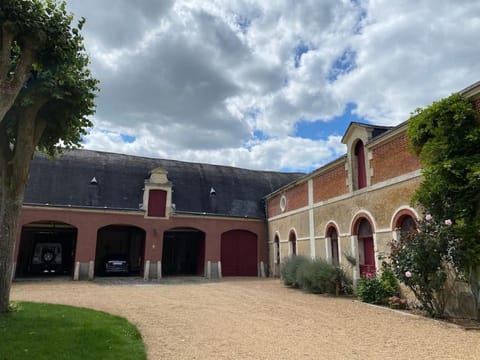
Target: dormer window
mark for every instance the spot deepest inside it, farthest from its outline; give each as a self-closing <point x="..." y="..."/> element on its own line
<point x="157" y="195"/>
<point x="157" y="202"/>
<point x="361" y="173"/>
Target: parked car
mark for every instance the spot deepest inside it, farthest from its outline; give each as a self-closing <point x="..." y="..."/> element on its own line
<point x="116" y="264"/>
<point x="47" y="257"/>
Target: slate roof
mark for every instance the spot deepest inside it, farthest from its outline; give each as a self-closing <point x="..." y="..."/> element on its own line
<point x="66" y="181"/>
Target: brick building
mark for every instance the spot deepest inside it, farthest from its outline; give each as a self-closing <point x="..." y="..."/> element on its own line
<point x="159" y="217"/>
<point x="353" y="206"/>
<point x="176" y="218"/>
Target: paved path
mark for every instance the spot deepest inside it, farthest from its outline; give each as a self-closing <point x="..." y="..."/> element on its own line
<point x="258" y="319"/>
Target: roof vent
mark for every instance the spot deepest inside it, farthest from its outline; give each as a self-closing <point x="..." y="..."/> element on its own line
<point x="93" y="181"/>
<point x="212" y="192"/>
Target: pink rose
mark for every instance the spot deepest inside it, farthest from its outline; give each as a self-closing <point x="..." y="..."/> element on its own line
<point x="408" y="274"/>
<point x="448" y="222"/>
<point x="428" y="217"/>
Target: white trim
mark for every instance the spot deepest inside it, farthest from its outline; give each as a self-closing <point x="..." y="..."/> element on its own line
<point x="376" y="252"/>
<point x="146" y="271"/>
<point x="76" y="272"/>
<point x="377" y="186"/>
<point x="383" y="231"/>
<point x="405" y="207"/>
<point x="364" y="211"/>
<point x="311" y="219"/>
<point x="303" y="239"/>
<point x="356" y="268"/>
<point x="289" y="213"/>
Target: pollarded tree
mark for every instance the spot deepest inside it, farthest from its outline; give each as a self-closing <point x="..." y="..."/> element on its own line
<point x="46" y="94"/>
<point x="446" y="137"/>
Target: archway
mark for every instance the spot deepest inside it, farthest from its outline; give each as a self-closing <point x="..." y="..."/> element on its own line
<point x="276" y="256"/>
<point x="47" y="248"/>
<point x="332" y="235"/>
<point x="292" y="242"/>
<point x="120" y="250"/>
<point x="239" y="253"/>
<point x="366" y="248"/>
<point x="183" y="252"/>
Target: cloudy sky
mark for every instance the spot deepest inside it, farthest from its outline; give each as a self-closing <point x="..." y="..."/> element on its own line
<point x="268" y="84"/>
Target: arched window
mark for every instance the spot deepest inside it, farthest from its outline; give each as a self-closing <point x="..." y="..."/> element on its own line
<point x="292" y="239"/>
<point x="361" y="180"/>
<point x="333" y="235"/>
<point x="276" y="250"/>
<point x="366" y="248"/>
<point x="407" y="225"/>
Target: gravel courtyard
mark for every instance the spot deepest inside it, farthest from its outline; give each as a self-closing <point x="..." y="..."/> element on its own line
<point x="257" y="319"/>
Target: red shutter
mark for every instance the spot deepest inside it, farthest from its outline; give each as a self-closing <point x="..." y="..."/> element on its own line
<point x="157" y="201"/>
<point x="362" y="174"/>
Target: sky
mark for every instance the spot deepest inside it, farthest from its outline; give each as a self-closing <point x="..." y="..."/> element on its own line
<point x="269" y="85"/>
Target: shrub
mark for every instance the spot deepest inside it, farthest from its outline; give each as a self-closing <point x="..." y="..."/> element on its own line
<point x="378" y="290"/>
<point x="316" y="276"/>
<point x="422" y="259"/>
<point x="289" y="269"/>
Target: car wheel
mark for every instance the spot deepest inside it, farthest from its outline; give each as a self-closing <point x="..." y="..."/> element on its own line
<point x="48" y="256"/>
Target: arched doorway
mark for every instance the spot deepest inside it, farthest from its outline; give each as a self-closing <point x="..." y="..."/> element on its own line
<point x="120" y="250"/>
<point x="47" y="248"/>
<point x="332" y="234"/>
<point x="366" y="248"/>
<point x="183" y="252"/>
<point x="239" y="253"/>
<point x="292" y="243"/>
<point x="276" y="256"/>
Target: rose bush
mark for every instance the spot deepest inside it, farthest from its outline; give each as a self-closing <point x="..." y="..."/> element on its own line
<point x="421" y="260"/>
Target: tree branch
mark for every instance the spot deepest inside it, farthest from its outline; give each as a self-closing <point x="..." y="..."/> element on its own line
<point x="7" y="36"/>
<point x="27" y="132"/>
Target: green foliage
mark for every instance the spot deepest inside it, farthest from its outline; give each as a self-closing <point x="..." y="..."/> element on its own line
<point x="46" y="331"/>
<point x="316" y="276"/>
<point x="378" y="290"/>
<point x="446" y="137"/>
<point x="289" y="269"/>
<point x="421" y="260"/>
<point x="59" y="77"/>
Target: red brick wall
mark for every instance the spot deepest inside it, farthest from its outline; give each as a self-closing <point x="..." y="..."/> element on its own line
<point x="476" y="104"/>
<point x="274" y="206"/>
<point x="330" y="184"/>
<point x="392" y="159"/>
<point x="297" y="197"/>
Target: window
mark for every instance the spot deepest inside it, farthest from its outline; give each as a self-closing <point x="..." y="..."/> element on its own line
<point x="361" y="180"/>
<point x="293" y="243"/>
<point x="157" y="201"/>
<point x="407" y="225"/>
<point x="334" y="246"/>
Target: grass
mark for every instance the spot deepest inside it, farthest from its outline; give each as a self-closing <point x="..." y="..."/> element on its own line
<point x="45" y="331"/>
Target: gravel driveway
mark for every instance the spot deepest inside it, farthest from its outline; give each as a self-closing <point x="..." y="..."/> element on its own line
<point x="257" y="319"/>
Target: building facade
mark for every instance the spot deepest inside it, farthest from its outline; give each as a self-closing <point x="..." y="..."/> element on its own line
<point x="348" y="211"/>
<point x="165" y="217"/>
<point x="157" y="217"/>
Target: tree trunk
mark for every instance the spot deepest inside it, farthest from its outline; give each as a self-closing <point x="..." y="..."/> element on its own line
<point x="14" y="170"/>
<point x="11" y="203"/>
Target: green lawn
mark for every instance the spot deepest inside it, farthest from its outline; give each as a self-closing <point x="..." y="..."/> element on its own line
<point x="45" y="331"/>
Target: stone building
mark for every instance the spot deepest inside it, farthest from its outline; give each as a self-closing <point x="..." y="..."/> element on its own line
<point x="168" y="217"/>
<point x="353" y="206"/>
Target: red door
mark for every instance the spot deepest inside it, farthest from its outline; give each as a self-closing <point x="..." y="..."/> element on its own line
<point x="369" y="254"/>
<point x="239" y="253"/>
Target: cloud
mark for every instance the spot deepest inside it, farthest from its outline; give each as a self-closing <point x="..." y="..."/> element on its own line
<point x="197" y="79"/>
